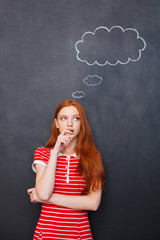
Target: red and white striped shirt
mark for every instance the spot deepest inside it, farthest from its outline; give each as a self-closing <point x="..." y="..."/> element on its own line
<point x="57" y="222"/>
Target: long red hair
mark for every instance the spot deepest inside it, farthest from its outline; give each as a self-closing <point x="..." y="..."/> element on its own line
<point x="90" y="164"/>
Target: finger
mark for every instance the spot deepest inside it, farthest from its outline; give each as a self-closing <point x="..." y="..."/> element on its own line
<point x="64" y="143"/>
<point x="32" y="199"/>
<point x="65" y="131"/>
<point x="30" y="190"/>
<point x="31" y="196"/>
<point x="66" y="140"/>
<point x="66" y="137"/>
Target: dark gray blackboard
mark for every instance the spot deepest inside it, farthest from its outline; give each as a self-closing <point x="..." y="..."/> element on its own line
<point x="39" y="68"/>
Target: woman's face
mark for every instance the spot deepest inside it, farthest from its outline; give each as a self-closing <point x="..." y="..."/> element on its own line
<point x="68" y="118"/>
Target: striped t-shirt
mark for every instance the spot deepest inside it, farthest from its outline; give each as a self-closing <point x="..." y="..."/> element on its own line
<point x="58" y="222"/>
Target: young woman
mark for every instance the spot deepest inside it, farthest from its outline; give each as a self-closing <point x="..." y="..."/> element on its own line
<point x="69" y="177"/>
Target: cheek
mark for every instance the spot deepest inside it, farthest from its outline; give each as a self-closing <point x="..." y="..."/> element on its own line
<point x="78" y="127"/>
<point x="62" y="126"/>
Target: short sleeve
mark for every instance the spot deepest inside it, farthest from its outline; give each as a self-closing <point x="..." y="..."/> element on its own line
<point x="41" y="156"/>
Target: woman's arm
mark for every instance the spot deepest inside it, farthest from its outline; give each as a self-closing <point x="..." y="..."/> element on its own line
<point x="45" y="175"/>
<point x="91" y="201"/>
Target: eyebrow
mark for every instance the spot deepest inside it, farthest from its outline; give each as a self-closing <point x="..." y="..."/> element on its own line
<point x="67" y="115"/>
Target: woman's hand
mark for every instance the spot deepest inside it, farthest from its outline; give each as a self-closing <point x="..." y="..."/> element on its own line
<point x="63" y="141"/>
<point x="33" y="195"/>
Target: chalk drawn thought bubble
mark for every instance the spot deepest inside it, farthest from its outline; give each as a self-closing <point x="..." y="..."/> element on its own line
<point x="110" y="46"/>
<point x="78" y="94"/>
<point x="92" y="80"/>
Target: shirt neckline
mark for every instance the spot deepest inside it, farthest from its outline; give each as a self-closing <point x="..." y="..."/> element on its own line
<point x="72" y="155"/>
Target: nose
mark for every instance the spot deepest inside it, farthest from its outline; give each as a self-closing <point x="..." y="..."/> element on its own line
<point x="70" y="122"/>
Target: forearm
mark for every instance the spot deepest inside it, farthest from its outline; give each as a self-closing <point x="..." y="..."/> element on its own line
<point x="45" y="184"/>
<point x="90" y="201"/>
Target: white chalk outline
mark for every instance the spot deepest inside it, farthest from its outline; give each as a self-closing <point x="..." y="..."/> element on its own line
<point x="123" y="30"/>
<point x="92" y="76"/>
<point x="78" y="92"/>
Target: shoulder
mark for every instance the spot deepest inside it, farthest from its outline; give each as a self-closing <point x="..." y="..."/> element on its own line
<point x="44" y="152"/>
<point x="41" y="156"/>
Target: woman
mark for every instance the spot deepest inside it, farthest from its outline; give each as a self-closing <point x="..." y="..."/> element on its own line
<point x="69" y="176"/>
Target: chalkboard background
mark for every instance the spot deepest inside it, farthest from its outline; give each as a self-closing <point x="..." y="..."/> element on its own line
<point x="39" y="68"/>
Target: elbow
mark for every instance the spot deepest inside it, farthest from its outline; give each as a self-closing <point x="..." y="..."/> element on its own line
<point x="95" y="198"/>
<point x="95" y="205"/>
<point x="44" y="197"/>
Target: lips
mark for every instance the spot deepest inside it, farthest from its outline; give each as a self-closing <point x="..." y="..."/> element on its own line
<point x="71" y="130"/>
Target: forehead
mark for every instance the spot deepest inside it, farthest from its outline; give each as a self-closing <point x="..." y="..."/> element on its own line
<point x="70" y="110"/>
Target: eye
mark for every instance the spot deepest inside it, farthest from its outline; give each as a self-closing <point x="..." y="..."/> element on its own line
<point x="76" y="118"/>
<point x="63" y="118"/>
